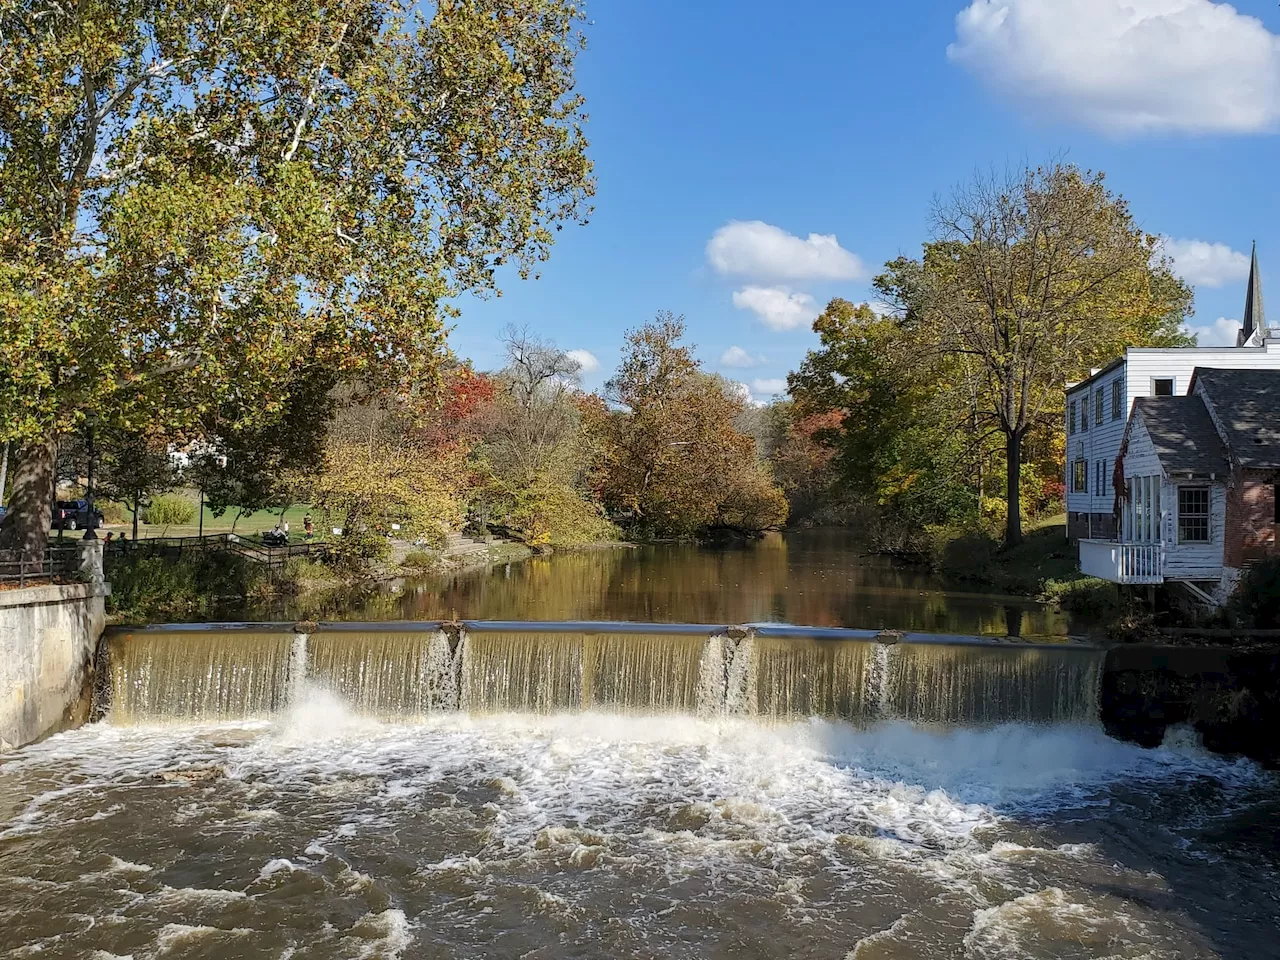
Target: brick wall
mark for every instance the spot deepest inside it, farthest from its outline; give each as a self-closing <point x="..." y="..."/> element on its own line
<point x="1251" y="516"/>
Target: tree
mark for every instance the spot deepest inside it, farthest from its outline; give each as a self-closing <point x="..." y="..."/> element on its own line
<point x="672" y="456"/>
<point x="203" y="202"/>
<point x="534" y="446"/>
<point x="134" y="466"/>
<point x="871" y="396"/>
<point x="382" y="466"/>
<point x="1032" y="279"/>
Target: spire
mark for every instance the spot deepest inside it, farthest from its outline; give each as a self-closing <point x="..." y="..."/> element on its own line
<point x="1255" y="318"/>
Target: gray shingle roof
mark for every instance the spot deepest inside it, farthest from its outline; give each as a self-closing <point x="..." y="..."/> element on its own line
<point x="1247" y="404"/>
<point x="1184" y="436"/>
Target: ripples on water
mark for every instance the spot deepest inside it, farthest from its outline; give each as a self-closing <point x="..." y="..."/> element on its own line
<point x="323" y="834"/>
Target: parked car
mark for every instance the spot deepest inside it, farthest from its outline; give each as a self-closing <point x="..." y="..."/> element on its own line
<point x="75" y="515"/>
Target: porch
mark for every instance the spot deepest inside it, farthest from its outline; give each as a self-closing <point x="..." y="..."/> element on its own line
<point x="1127" y="563"/>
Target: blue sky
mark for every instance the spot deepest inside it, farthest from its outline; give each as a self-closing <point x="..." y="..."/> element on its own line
<point x="761" y="124"/>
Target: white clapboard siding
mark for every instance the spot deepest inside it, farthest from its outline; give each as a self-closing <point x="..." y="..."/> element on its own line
<point x="1142" y="366"/>
<point x="1099" y="442"/>
<point x="1194" y="560"/>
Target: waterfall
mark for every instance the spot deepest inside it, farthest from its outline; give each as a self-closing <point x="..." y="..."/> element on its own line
<point x="210" y="674"/>
<point x="298" y="669"/>
<point x="206" y="676"/>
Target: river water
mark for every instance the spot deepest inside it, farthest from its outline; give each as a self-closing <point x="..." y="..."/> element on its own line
<point x="816" y="578"/>
<point x="374" y="793"/>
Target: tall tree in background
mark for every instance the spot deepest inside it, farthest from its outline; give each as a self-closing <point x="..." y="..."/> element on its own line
<point x="535" y="448"/>
<point x="871" y="396"/>
<point x="670" y="449"/>
<point x="1032" y="279"/>
<point x="204" y="202"/>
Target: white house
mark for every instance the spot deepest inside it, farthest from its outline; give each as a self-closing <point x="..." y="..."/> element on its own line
<point x="1198" y="476"/>
<point x="1097" y="408"/>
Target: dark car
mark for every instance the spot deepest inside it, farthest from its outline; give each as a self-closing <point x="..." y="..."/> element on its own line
<point x="75" y="515"/>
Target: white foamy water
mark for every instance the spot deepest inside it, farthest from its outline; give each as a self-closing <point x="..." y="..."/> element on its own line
<point x="589" y="835"/>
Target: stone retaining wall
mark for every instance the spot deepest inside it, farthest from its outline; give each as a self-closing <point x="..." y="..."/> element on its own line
<point x="48" y="636"/>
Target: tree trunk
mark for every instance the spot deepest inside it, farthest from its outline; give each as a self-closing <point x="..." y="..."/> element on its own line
<point x="26" y="525"/>
<point x="4" y="470"/>
<point x="136" y="498"/>
<point x="1013" y="488"/>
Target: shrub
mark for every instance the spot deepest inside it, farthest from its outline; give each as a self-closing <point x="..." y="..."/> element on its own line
<point x="1256" y="602"/>
<point x="419" y="560"/>
<point x="1088" y="596"/>
<point x="170" y="508"/>
<point x="112" y="512"/>
<point x="157" y="588"/>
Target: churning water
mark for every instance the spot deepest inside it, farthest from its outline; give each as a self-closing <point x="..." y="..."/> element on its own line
<point x="546" y="795"/>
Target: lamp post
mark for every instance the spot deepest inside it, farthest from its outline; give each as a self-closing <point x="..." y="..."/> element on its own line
<point x="90" y="533"/>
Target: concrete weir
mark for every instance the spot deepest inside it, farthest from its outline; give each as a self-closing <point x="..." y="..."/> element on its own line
<point x="48" y="635"/>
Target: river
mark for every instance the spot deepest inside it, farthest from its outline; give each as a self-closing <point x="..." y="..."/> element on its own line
<point x="370" y="792"/>
<point x="824" y="577"/>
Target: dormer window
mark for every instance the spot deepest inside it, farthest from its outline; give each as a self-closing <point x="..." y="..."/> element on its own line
<point x="1162" y="387"/>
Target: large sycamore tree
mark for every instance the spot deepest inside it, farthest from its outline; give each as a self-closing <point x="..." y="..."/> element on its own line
<point x="205" y="202"/>
<point x="1032" y="279"/>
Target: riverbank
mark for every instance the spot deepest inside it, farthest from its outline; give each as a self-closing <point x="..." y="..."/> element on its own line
<point x="1044" y="566"/>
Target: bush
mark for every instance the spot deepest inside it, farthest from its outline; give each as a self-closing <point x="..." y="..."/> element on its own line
<point x="1088" y="596"/>
<point x="157" y="588"/>
<point x="419" y="560"/>
<point x="112" y="512"/>
<point x="169" y="509"/>
<point x="1256" y="602"/>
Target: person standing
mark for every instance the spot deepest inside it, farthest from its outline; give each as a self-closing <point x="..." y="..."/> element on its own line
<point x="308" y="528"/>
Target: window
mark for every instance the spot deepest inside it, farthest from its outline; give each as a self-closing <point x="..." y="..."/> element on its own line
<point x="1080" y="477"/>
<point x="1100" y="477"/>
<point x="1099" y="405"/>
<point x="1084" y="414"/>
<point x="1071" y="417"/>
<point x="1193" y="514"/>
<point x="1115" y="399"/>
<point x="1162" y="387"/>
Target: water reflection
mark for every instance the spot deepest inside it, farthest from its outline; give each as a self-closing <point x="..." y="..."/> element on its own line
<point x="816" y="578"/>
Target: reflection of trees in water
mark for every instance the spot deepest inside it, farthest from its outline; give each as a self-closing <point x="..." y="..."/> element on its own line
<point x="814" y="578"/>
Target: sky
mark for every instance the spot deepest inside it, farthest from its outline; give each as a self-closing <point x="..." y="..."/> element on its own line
<point x="755" y="159"/>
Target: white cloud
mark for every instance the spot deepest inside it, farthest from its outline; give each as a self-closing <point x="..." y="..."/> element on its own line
<point x="587" y="361"/>
<point x="778" y="307"/>
<point x="1127" y="66"/>
<point x="735" y="356"/>
<point x="753" y="248"/>
<point x="1221" y="333"/>
<point x="1208" y="264"/>
<point x="769" y="388"/>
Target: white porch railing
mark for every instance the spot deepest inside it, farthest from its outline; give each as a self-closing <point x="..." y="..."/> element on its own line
<point x="1136" y="563"/>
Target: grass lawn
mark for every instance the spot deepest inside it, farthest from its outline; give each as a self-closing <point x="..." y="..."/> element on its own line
<point x="257" y="522"/>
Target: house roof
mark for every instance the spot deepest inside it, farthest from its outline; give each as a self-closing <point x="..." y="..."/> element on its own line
<point x="1184" y="436"/>
<point x="1247" y="405"/>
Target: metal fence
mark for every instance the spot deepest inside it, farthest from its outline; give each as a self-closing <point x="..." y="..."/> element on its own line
<point x="59" y="564"/>
<point x="177" y="547"/>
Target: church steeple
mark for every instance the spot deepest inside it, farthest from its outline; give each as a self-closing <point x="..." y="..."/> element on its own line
<point x="1255" y="319"/>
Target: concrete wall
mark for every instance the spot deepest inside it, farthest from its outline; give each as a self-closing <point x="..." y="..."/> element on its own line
<point x="48" y="636"/>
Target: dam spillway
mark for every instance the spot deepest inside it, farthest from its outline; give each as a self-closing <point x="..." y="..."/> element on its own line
<point x="216" y="673"/>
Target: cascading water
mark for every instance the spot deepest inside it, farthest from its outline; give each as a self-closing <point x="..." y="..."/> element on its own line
<point x="198" y="675"/>
<point x="621" y="791"/>
<point x="224" y="674"/>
